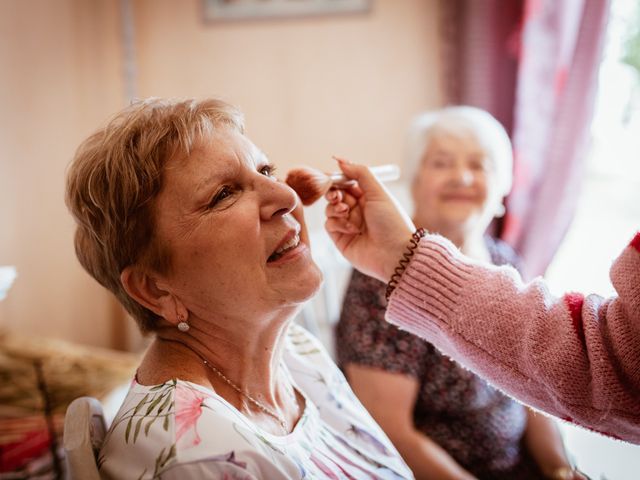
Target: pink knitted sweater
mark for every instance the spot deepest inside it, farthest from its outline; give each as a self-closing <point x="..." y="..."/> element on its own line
<point x="574" y="357"/>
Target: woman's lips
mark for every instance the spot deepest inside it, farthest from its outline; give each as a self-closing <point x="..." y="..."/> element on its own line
<point x="460" y="198"/>
<point x="288" y="242"/>
<point x="288" y="255"/>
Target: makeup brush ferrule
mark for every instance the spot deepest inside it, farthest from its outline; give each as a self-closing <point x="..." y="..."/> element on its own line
<point x="384" y="173"/>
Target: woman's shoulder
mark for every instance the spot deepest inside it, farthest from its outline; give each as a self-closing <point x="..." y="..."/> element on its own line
<point x="352" y="429"/>
<point x="367" y="289"/>
<point x="502" y="253"/>
<point x="364" y="337"/>
<point x="306" y="348"/>
<point x="182" y="430"/>
<point x="162" y="427"/>
<point x="362" y="312"/>
<point x="314" y="371"/>
<point x="306" y="353"/>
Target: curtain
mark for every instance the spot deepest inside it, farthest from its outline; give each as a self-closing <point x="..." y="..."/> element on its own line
<point x="557" y="78"/>
<point x="480" y="43"/>
<point x="534" y="65"/>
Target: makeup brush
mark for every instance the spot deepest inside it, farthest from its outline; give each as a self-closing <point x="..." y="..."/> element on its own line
<point x="311" y="184"/>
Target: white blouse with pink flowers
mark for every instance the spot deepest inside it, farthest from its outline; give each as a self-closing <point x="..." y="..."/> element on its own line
<point x="180" y="430"/>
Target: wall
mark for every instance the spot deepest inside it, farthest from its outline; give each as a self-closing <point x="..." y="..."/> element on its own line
<point x="59" y="64"/>
<point x="310" y="88"/>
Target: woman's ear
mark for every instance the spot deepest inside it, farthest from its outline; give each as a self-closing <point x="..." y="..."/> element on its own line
<point x="143" y="288"/>
<point x="500" y="211"/>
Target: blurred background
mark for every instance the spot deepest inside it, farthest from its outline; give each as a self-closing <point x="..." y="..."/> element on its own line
<point x="317" y="78"/>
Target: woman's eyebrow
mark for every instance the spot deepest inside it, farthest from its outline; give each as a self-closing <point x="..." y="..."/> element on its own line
<point x="443" y="153"/>
<point x="204" y="184"/>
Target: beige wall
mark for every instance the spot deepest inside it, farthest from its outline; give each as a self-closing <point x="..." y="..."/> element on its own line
<point x="309" y="87"/>
<point x="59" y="77"/>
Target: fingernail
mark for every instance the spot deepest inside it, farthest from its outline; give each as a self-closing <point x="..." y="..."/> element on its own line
<point x="342" y="160"/>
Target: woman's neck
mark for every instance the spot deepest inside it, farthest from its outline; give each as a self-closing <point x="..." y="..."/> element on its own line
<point x="476" y="248"/>
<point x="244" y="368"/>
<point x="249" y="358"/>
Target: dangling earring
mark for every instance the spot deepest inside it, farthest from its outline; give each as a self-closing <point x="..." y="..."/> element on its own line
<point x="500" y="211"/>
<point x="183" y="326"/>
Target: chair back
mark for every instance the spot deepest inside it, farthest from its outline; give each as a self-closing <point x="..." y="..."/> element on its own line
<point x="84" y="432"/>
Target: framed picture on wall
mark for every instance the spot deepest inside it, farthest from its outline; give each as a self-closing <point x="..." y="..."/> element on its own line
<point x="215" y="10"/>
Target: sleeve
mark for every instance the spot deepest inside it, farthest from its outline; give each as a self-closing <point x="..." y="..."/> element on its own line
<point x="574" y="357"/>
<point x="364" y="338"/>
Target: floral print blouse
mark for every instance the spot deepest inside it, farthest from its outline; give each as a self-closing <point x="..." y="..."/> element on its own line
<point x="180" y="430"/>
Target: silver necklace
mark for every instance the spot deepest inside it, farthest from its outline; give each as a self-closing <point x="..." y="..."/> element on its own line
<point x="262" y="407"/>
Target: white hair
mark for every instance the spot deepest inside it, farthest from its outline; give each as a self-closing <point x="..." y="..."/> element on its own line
<point x="489" y="133"/>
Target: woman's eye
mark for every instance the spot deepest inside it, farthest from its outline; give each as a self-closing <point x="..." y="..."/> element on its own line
<point x="268" y="170"/>
<point x="440" y="162"/>
<point x="223" y="193"/>
<point x="478" y="163"/>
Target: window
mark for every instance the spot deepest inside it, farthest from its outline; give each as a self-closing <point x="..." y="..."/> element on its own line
<point x="607" y="216"/>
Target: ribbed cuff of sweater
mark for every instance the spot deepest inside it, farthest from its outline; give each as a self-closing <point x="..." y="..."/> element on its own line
<point x="426" y="297"/>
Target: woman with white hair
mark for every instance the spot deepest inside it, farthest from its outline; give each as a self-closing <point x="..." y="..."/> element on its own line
<point x="459" y="162"/>
<point x="445" y="421"/>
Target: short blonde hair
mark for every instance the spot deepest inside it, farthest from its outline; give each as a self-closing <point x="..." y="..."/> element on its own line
<point x="115" y="177"/>
<point x="489" y="133"/>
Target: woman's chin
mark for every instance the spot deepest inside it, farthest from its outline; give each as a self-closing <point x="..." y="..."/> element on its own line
<point x="463" y="218"/>
<point x="311" y="285"/>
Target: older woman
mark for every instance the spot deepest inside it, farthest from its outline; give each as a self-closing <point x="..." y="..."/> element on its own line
<point x="180" y="215"/>
<point x="444" y="420"/>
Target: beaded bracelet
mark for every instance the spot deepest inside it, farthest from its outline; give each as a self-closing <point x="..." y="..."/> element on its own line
<point x="404" y="261"/>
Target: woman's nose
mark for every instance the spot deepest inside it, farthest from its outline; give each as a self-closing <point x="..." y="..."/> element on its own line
<point x="277" y="198"/>
<point x="464" y="176"/>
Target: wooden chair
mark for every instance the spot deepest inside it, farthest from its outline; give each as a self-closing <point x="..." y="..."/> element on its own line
<point x="84" y="432"/>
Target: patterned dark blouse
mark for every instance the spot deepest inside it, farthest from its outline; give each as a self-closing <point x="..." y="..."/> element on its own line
<point x="481" y="428"/>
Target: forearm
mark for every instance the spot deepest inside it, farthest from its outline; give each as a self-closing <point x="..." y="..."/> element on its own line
<point x="576" y="360"/>
<point x="544" y="442"/>
<point x="427" y="459"/>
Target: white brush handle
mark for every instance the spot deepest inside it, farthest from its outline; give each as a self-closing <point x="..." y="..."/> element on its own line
<point x="384" y="173"/>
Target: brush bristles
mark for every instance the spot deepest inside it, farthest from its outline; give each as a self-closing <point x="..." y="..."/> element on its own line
<point x="310" y="184"/>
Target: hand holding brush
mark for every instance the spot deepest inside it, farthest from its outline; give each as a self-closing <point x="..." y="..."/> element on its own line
<point x="311" y="184"/>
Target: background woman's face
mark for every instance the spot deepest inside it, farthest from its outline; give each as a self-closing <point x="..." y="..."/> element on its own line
<point x="454" y="187"/>
<point x="236" y="234"/>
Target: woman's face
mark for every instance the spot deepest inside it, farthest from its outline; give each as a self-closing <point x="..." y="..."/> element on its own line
<point x="235" y="234"/>
<point x="455" y="187"/>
